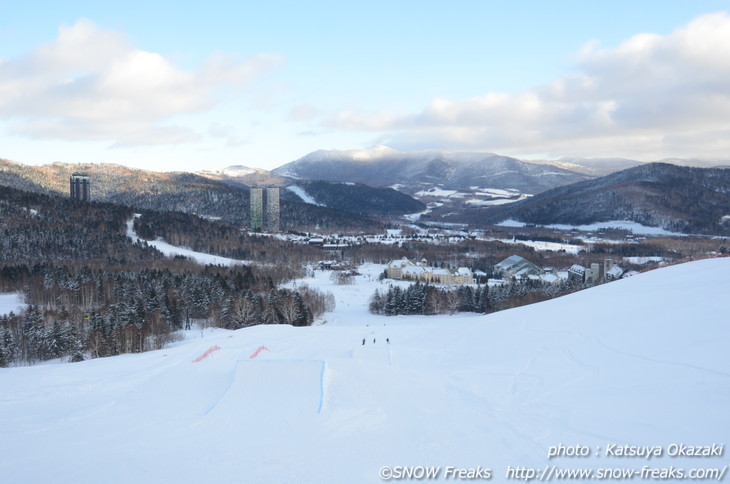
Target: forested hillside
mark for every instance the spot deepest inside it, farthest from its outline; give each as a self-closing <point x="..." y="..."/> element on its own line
<point x="183" y="192"/>
<point x="676" y="198"/>
<point x="221" y="238"/>
<point x="361" y="199"/>
<point x="93" y="292"/>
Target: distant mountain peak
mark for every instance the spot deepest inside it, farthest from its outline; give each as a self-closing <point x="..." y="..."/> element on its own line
<point x="382" y="166"/>
<point x="381" y="152"/>
<point x="231" y="171"/>
<point x="245" y="170"/>
<point x="374" y="152"/>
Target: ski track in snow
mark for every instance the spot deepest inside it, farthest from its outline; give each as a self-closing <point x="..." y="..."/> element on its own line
<point x="665" y="362"/>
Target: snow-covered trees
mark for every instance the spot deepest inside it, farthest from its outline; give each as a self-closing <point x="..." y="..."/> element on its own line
<point x="138" y="310"/>
<point x="93" y="292"/>
<point x="427" y="299"/>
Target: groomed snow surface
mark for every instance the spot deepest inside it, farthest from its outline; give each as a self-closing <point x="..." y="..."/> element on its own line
<point x="642" y="361"/>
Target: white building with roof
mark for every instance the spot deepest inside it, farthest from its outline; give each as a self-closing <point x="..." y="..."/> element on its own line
<point x="410" y="269"/>
<point x="594" y="274"/>
<point x="577" y="271"/>
<point x="614" y="272"/>
<point x="395" y="268"/>
<point x="517" y="267"/>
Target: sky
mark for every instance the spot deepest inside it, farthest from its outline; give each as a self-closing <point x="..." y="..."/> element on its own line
<point x="187" y="86"/>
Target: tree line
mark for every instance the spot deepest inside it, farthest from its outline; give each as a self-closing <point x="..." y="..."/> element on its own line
<point x="427" y="299"/>
<point x="74" y="310"/>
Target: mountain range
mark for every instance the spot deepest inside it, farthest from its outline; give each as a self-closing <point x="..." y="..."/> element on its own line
<point x="361" y="189"/>
<point x="484" y="188"/>
<point x="223" y="194"/>
<point x="413" y="172"/>
<point x="606" y="166"/>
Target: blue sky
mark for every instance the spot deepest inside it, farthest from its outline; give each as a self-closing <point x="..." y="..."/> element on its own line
<point x="200" y="85"/>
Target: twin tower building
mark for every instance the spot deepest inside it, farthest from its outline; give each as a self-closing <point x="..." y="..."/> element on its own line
<point x="80" y="186"/>
<point x="271" y="218"/>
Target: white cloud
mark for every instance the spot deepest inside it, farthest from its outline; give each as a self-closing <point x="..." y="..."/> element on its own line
<point x="652" y="96"/>
<point x="92" y="84"/>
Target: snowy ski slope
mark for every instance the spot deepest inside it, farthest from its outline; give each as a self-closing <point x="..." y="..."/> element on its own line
<point x="642" y="361"/>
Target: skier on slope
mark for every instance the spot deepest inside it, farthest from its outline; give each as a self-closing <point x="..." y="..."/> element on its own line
<point x="363" y="341"/>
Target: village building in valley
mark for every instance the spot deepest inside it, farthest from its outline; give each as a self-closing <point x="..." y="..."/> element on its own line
<point x="412" y="270"/>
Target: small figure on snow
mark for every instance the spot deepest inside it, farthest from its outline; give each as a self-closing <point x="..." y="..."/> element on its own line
<point x="387" y="340"/>
<point x="363" y="341"/>
<point x="373" y="340"/>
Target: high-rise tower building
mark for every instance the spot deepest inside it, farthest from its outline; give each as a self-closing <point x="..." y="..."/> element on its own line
<point x="80" y="187"/>
<point x="257" y="209"/>
<point x="271" y="216"/>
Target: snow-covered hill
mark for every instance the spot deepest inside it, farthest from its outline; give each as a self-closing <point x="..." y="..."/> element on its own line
<point x="413" y="171"/>
<point x="674" y="198"/>
<point x="638" y="362"/>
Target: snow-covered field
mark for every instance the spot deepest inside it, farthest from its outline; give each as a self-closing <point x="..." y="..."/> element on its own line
<point x="627" y="225"/>
<point x="639" y="362"/>
<point x="475" y="202"/>
<point x="542" y="245"/>
<point x="440" y="192"/>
